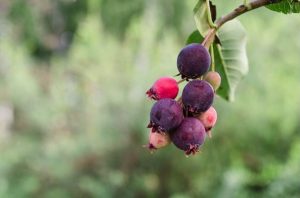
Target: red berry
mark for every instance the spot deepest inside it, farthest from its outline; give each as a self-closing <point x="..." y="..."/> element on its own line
<point x="158" y="140"/>
<point x="208" y="118"/>
<point x="214" y="79"/>
<point x="164" y="87"/>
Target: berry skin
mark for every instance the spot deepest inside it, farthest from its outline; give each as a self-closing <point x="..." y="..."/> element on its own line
<point x="193" y="61"/>
<point x="164" y="87"/>
<point x="209" y="118"/>
<point x="166" y="115"/>
<point x="189" y="135"/>
<point x="158" y="140"/>
<point x="197" y="96"/>
<point x="214" y="79"/>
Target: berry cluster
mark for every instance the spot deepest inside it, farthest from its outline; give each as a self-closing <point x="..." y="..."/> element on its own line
<point x="188" y="120"/>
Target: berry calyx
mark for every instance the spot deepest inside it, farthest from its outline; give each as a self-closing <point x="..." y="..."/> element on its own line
<point x="164" y="87"/>
<point x="208" y="118"/>
<point x="214" y="79"/>
<point x="166" y="115"/>
<point x="158" y="140"/>
<point x="197" y="96"/>
<point x="193" y="61"/>
<point x="189" y="136"/>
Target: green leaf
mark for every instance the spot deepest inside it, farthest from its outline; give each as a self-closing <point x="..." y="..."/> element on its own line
<point x="224" y="90"/>
<point x="200" y="15"/>
<point x="195" y="37"/>
<point x="230" y="58"/>
<point x="286" y="6"/>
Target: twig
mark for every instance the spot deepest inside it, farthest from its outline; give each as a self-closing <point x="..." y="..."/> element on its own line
<point x="235" y="13"/>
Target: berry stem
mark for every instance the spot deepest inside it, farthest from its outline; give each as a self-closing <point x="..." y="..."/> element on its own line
<point x="212" y="55"/>
<point x="180" y="81"/>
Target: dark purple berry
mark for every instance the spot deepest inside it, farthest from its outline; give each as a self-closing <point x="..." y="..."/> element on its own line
<point x="166" y="115"/>
<point x="193" y="61"/>
<point x="197" y="96"/>
<point x="189" y="135"/>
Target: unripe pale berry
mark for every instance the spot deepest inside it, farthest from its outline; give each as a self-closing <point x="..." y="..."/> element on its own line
<point x="189" y="135"/>
<point x="164" y="87"/>
<point x="208" y="118"/>
<point x="213" y="78"/>
<point x="197" y="96"/>
<point x="166" y="115"/>
<point x="158" y="140"/>
<point x="193" y="61"/>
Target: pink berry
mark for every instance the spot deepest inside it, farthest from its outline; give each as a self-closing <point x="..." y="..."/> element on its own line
<point x="208" y="118"/>
<point x="158" y="140"/>
<point x="164" y="87"/>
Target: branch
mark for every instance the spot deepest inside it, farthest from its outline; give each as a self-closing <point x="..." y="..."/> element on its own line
<point x="235" y="13"/>
<point x="242" y="9"/>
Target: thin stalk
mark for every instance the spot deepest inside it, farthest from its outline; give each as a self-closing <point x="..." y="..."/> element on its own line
<point x="212" y="58"/>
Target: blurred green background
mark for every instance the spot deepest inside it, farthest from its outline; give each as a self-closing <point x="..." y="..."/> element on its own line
<point x="73" y="111"/>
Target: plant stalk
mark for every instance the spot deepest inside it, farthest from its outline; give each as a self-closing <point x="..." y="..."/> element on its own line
<point x="209" y="38"/>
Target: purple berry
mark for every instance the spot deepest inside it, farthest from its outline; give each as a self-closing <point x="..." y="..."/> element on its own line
<point x="166" y="115"/>
<point x="193" y="61"/>
<point x="197" y="96"/>
<point x="189" y="135"/>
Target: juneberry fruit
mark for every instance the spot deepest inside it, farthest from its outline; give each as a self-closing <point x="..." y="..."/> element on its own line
<point x="164" y="87"/>
<point x="214" y="79"/>
<point x="197" y="96"/>
<point x="193" y="61"/>
<point x="158" y="140"/>
<point x="166" y="115"/>
<point x="208" y="118"/>
<point x="189" y="135"/>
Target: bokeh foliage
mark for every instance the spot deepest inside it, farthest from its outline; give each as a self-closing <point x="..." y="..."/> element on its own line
<point x="74" y="74"/>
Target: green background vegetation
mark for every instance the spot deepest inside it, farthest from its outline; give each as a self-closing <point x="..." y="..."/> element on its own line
<point x="73" y="111"/>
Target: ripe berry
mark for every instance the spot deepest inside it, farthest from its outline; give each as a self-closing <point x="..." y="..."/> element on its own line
<point x="158" y="140"/>
<point x="189" y="135"/>
<point x="166" y="115"/>
<point x="193" y="61"/>
<point x="164" y="87"/>
<point x="214" y="79"/>
<point x="209" y="118"/>
<point x="197" y="96"/>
